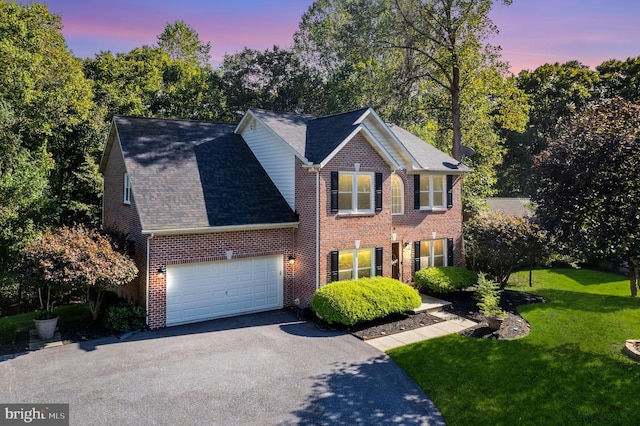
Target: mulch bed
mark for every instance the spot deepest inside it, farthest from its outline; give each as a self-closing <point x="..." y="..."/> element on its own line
<point x="462" y="304"/>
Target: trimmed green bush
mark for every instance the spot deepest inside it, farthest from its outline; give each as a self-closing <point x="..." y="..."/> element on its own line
<point x="444" y="279"/>
<point x="353" y="301"/>
<point x="488" y="296"/>
<point x="124" y="317"/>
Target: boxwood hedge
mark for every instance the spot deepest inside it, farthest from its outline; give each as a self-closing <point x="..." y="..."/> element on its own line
<point x="443" y="279"/>
<point x="354" y="301"/>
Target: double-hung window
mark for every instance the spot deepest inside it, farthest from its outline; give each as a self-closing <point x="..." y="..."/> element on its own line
<point x="356" y="192"/>
<point x="433" y="192"/>
<point x="356" y="263"/>
<point x="437" y="252"/>
<point x="127" y="189"/>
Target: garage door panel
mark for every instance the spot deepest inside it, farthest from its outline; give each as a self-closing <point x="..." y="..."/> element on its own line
<point x="197" y="292"/>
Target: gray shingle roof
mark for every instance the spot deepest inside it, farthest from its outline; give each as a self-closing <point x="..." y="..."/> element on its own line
<point x="520" y="207"/>
<point x="191" y="174"/>
<point x="428" y="156"/>
<point x="324" y="134"/>
<point x="292" y="128"/>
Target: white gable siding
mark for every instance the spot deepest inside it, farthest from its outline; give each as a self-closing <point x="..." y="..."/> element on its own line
<point x="384" y="139"/>
<point x="275" y="156"/>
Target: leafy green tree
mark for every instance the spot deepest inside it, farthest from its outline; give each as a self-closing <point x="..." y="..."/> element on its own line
<point x="620" y="79"/>
<point x="78" y="258"/>
<point x="45" y="141"/>
<point x="497" y="243"/>
<point x="181" y="42"/>
<point x="424" y="65"/>
<point x="557" y="93"/>
<point x="587" y="187"/>
<point x="274" y="79"/>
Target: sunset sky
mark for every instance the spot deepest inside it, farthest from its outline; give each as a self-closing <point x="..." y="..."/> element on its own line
<point x="532" y="32"/>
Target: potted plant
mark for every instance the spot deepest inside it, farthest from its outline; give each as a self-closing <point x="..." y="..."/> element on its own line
<point x="46" y="320"/>
<point x="488" y="297"/>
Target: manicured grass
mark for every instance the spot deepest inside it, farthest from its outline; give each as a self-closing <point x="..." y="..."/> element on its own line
<point x="570" y="370"/>
<point x="9" y="326"/>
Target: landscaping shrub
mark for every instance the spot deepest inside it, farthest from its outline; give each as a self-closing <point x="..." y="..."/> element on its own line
<point x="488" y="296"/>
<point x="124" y="317"/>
<point x="353" y="301"/>
<point x="444" y="279"/>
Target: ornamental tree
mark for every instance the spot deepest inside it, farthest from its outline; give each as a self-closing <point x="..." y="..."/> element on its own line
<point x="588" y="192"/>
<point x="497" y="243"/>
<point x="79" y="258"/>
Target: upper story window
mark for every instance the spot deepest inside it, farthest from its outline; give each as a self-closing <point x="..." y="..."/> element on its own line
<point x="397" y="195"/>
<point x="127" y="189"/>
<point x="433" y="192"/>
<point x="356" y="192"/>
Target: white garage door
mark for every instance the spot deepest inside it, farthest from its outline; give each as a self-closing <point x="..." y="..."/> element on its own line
<point x="201" y="291"/>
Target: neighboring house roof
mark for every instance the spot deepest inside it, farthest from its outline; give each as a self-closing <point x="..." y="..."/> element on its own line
<point x="191" y="174"/>
<point x="520" y="207"/>
<point x="315" y="139"/>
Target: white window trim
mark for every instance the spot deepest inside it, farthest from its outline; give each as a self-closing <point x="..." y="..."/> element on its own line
<point x="399" y="179"/>
<point x="127" y="189"/>
<point x="431" y="205"/>
<point x="431" y="256"/>
<point x="354" y="275"/>
<point x="354" y="193"/>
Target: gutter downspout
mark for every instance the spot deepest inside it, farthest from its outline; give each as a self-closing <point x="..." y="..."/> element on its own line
<point x="147" y="279"/>
<point x="317" y="228"/>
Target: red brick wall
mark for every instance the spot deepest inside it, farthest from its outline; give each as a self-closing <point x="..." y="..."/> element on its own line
<point x="340" y="231"/>
<point x="176" y="249"/>
<point x="124" y="218"/>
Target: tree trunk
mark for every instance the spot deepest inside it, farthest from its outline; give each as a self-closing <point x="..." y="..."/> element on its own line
<point x="634" y="275"/>
<point x="455" y="114"/>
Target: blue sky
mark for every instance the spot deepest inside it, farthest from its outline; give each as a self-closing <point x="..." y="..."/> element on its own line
<point x="532" y="32"/>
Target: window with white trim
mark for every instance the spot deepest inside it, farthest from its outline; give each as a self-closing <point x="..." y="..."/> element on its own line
<point x="433" y="192"/>
<point x="355" y="192"/>
<point x="127" y="189"/>
<point x="397" y="194"/>
<point x="353" y="264"/>
<point x="433" y="253"/>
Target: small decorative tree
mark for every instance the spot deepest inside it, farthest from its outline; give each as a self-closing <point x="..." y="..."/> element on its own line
<point x="497" y="243"/>
<point x="80" y="258"/>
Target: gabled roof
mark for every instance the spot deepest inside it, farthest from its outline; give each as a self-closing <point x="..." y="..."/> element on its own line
<point x="316" y="139"/>
<point x="191" y="174"/>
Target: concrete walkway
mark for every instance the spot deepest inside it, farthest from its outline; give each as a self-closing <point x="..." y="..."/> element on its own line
<point x="451" y="324"/>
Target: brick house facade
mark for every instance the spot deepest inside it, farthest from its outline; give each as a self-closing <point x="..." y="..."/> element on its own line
<point x="231" y="219"/>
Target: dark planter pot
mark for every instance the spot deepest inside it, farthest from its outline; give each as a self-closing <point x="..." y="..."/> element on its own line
<point x="46" y="328"/>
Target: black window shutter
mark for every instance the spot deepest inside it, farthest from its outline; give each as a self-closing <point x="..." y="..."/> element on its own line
<point x="449" y="191"/>
<point x="334" y="265"/>
<point x="378" y="192"/>
<point x="416" y="191"/>
<point x="334" y="191"/>
<point x="378" y="261"/>
<point x="449" y="251"/>
<point x="416" y="256"/>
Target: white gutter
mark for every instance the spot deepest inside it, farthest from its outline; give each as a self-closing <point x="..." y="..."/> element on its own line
<point x="317" y="228"/>
<point x="147" y="279"/>
<point x="214" y="229"/>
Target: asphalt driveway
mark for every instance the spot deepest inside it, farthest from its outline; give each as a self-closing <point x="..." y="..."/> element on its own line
<point x="262" y="369"/>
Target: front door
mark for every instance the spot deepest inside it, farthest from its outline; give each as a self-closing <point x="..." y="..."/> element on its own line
<point x="395" y="261"/>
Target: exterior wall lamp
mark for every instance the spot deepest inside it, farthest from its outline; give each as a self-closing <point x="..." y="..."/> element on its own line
<point x="292" y="259"/>
<point x="160" y="273"/>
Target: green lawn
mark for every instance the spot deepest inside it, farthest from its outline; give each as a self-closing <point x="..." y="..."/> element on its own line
<point x="12" y="324"/>
<point x="570" y="370"/>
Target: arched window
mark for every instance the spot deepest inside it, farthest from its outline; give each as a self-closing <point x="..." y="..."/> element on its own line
<point x="397" y="195"/>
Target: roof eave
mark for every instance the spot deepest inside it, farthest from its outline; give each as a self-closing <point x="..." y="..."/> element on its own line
<point x="218" y="229"/>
